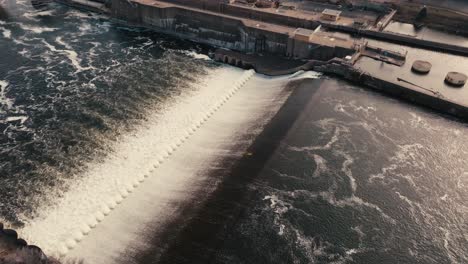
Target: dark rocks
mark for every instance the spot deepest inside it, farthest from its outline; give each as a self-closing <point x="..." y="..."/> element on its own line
<point x="21" y="242"/>
<point x="10" y="233"/>
<point x="16" y="250"/>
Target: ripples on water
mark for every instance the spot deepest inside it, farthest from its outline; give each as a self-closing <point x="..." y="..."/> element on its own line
<point x="360" y="178"/>
<point x="69" y="83"/>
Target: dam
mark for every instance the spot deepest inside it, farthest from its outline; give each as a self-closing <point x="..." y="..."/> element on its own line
<point x="228" y="142"/>
<point x="279" y="38"/>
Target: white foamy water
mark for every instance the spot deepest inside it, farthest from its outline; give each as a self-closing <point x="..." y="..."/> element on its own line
<point x="3" y="98"/>
<point x="33" y="15"/>
<point x="22" y="119"/>
<point x="196" y="55"/>
<point x="165" y="159"/>
<point x="69" y="53"/>
<point x="5" y="32"/>
<point x="304" y="75"/>
<point x="36" y="29"/>
<point x="132" y="157"/>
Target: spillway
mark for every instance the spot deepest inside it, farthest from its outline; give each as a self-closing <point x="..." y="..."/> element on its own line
<point x="152" y="172"/>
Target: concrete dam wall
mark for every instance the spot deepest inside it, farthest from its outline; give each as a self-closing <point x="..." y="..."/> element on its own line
<point x="242" y="12"/>
<point x="245" y="31"/>
<point x="206" y="28"/>
<point x="246" y="35"/>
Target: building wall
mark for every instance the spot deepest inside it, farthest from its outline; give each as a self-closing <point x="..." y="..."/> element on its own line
<point x="233" y="10"/>
<point x="304" y="50"/>
<point x="329" y="17"/>
<point x="219" y="31"/>
<point x="201" y="27"/>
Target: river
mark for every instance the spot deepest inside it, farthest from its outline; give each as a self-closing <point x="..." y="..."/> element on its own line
<point x="339" y="175"/>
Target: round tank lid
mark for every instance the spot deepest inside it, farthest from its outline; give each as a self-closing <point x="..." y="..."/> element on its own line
<point x="422" y="66"/>
<point x="456" y="78"/>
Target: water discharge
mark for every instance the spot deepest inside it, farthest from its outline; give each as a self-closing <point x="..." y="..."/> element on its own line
<point x="132" y="157"/>
<point x="147" y="157"/>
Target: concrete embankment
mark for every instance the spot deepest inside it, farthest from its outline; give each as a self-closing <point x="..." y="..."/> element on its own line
<point x="408" y="92"/>
<point x="274" y="66"/>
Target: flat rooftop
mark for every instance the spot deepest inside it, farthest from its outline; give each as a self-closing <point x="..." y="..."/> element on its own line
<point x="441" y="64"/>
<point x="331" y="12"/>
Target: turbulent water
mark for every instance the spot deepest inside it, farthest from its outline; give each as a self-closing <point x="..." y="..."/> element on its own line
<point x="357" y="178"/>
<point x="72" y="82"/>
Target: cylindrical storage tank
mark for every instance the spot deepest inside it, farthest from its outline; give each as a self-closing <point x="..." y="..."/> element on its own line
<point x="456" y="79"/>
<point x="422" y="67"/>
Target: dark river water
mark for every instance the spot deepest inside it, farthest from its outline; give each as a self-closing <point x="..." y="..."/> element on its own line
<point x="342" y="174"/>
<point x="360" y="178"/>
<point x="353" y="177"/>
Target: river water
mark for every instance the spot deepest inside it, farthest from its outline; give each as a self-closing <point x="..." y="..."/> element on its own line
<point x="70" y="84"/>
<point x="341" y="175"/>
<point x="356" y="178"/>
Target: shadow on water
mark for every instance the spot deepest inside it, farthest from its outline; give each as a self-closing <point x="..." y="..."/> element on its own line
<point x="3" y="13"/>
<point x="272" y="207"/>
<point x="209" y="223"/>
